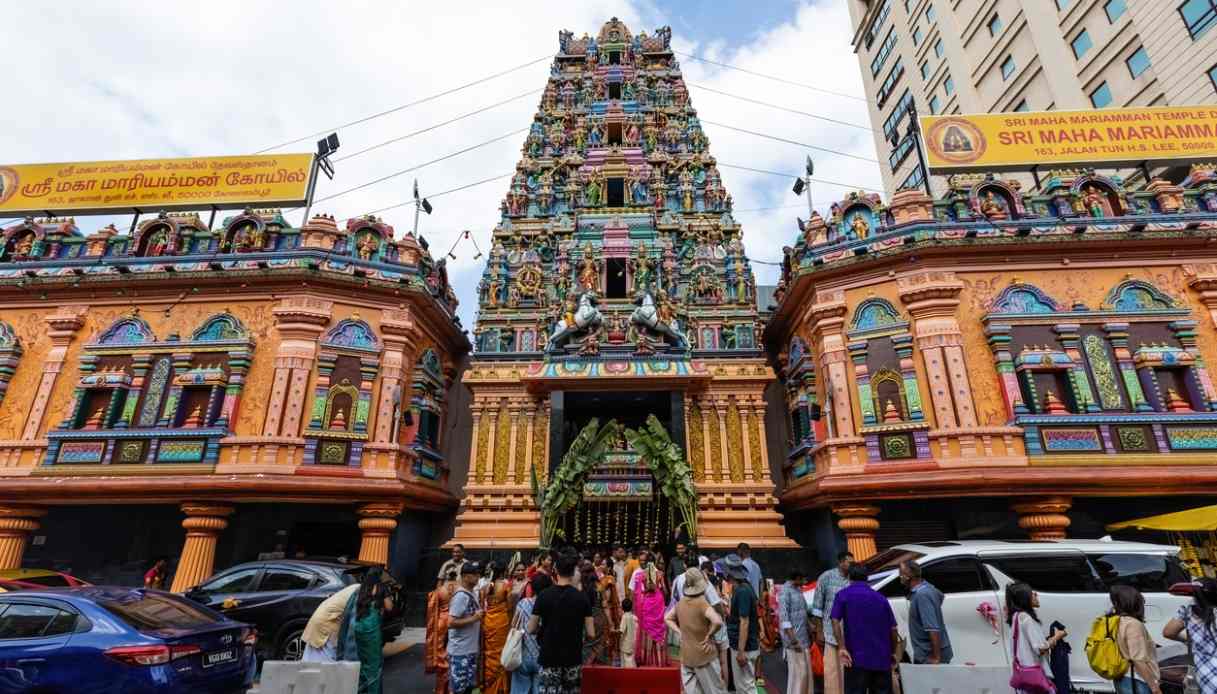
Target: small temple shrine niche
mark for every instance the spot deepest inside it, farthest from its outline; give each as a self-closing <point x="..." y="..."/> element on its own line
<point x="347" y="364"/>
<point x="881" y="348"/>
<point x="156" y="237"/>
<point x="804" y="412"/>
<point x="244" y="234"/>
<point x="856" y="218"/>
<point x="10" y="356"/>
<point x="996" y="200"/>
<point x="141" y="400"/>
<point x="1097" y="196"/>
<point x="423" y="417"/>
<point x="370" y="239"/>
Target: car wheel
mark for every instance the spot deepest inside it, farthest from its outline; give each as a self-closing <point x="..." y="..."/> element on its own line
<point x="291" y="644"/>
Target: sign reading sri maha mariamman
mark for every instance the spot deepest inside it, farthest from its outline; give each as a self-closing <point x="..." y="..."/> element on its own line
<point x="1114" y="137"/>
<point x="192" y="183"/>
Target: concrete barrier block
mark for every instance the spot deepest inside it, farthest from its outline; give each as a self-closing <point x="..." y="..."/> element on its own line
<point x="954" y="679"/>
<point x="293" y="677"/>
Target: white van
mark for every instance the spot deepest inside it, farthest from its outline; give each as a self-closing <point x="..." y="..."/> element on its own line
<point x="1072" y="578"/>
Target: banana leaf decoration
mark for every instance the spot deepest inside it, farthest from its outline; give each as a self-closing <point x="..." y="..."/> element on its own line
<point x="564" y="489"/>
<point x="667" y="462"/>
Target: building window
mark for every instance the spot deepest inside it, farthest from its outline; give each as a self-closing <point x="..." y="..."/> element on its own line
<point x="885" y="50"/>
<point x="929" y="13"/>
<point x="1062" y="4"/>
<point x="917" y="36"/>
<point x="889" y="83"/>
<point x="935" y="104"/>
<point x="938" y="48"/>
<point x="1115" y="9"/>
<point x="893" y="121"/>
<point x="925" y="71"/>
<point x="1007" y="67"/>
<point x="1101" y="97"/>
<point x="1081" y="43"/>
<point x="875" y="26"/>
<point x="1198" y="16"/>
<point x="948" y="85"/>
<point x="994" y="24"/>
<point x="1138" y="62"/>
<point x="915" y="179"/>
<point x="901" y="151"/>
<point x="1213" y="76"/>
<point x="1022" y="106"/>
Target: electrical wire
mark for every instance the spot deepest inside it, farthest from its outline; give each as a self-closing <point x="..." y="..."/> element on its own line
<point x="429" y="128"/>
<point x="783" y="80"/>
<point x="791" y="142"/>
<point x="791" y="176"/>
<point x="416" y="167"/>
<point x="436" y="195"/>
<point x="403" y="107"/>
<point x="783" y="108"/>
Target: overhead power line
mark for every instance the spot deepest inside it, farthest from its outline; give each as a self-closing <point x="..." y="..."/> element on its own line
<point x="416" y="167"/>
<point x="783" y="80"/>
<point x="433" y="196"/>
<point x="852" y="186"/>
<point x="403" y="107"/>
<point x="429" y="128"/>
<point x="783" y="108"/>
<point x="791" y="142"/>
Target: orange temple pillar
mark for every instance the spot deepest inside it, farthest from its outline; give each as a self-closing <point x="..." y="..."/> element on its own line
<point x="16" y="524"/>
<point x="859" y="523"/>
<point x="376" y="524"/>
<point x="203" y="523"/>
<point x="1044" y="518"/>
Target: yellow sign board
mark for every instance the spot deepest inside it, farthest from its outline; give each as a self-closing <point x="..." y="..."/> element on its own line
<point x="192" y="183"/>
<point x="1110" y="137"/>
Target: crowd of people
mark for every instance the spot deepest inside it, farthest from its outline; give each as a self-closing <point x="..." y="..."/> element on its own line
<point x="531" y="628"/>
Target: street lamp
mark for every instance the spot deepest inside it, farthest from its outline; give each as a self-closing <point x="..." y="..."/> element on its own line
<point x="804" y="183"/>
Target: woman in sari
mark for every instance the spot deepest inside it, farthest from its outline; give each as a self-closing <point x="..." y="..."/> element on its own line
<point x="612" y="604"/>
<point x="596" y="648"/>
<point x="435" y="653"/>
<point x="495" y="595"/>
<point x="360" y="636"/>
<point x="649" y="604"/>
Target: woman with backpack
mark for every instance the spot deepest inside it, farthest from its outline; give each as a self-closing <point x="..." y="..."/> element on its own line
<point x="1135" y="644"/>
<point x="1198" y="623"/>
<point x="1031" y="669"/>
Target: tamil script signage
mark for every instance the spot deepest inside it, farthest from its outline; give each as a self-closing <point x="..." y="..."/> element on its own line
<point x="1107" y="137"/>
<point x="192" y="183"/>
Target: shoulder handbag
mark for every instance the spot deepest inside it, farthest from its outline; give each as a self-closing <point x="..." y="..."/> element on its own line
<point x="1029" y="679"/>
<point x="513" y="648"/>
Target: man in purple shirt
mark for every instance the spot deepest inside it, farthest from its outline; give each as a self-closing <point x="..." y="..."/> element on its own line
<point x="865" y="627"/>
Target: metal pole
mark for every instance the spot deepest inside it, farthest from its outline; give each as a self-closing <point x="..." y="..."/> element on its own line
<point x="811" y="211"/>
<point x="417" y="207"/>
<point x="312" y="185"/>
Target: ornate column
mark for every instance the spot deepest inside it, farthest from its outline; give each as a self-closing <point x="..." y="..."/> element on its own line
<point x="530" y="414"/>
<point x="61" y="328"/>
<point x="932" y="298"/>
<point x="743" y="405"/>
<point x="758" y="409"/>
<point x="828" y="331"/>
<point x="704" y="407"/>
<point x="299" y="321"/>
<point x="1044" y="518"/>
<point x="396" y="364"/>
<point x="140" y="363"/>
<point x="376" y="524"/>
<point x="16" y="524"/>
<point x="475" y="409"/>
<point x="513" y="412"/>
<point x="859" y="523"/>
<point x="203" y="523"/>
<point x="720" y="408"/>
<point x="491" y="441"/>
<point x="1202" y="277"/>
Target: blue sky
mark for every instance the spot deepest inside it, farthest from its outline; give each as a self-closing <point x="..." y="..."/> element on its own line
<point x="730" y="21"/>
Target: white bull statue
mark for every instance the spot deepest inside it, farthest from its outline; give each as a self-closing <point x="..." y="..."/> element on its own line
<point x="647" y="316"/>
<point x="586" y="316"/>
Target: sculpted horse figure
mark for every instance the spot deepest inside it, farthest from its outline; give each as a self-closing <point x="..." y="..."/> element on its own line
<point x="647" y="315"/>
<point x="585" y="316"/>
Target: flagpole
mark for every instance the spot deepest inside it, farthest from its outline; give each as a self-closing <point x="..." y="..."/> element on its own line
<point x="417" y="206"/>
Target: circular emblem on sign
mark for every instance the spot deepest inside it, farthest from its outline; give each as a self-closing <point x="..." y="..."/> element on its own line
<point x="8" y="184"/>
<point x="956" y="140"/>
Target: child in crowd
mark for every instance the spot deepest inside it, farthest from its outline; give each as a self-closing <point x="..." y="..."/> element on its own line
<point x="629" y="633"/>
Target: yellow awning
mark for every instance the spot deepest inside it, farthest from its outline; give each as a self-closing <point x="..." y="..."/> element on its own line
<point x="1191" y="520"/>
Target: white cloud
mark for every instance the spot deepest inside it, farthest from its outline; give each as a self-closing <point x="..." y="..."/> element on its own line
<point x="132" y="79"/>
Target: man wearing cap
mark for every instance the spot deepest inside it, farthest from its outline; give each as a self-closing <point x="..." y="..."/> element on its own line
<point x="697" y="623"/>
<point x="743" y="626"/>
<point x="464" y="631"/>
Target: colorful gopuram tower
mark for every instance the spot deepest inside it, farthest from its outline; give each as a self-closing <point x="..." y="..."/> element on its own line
<point x="617" y="287"/>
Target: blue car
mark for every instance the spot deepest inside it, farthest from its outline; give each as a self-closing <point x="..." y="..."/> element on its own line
<point x="103" y="640"/>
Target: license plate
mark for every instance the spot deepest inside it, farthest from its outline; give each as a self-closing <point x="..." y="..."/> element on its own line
<point x="219" y="657"/>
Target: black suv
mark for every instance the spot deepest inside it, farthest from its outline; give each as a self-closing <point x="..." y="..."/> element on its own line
<point x="279" y="595"/>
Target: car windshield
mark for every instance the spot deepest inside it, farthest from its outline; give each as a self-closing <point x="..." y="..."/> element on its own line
<point x="888" y="561"/>
<point x="49" y="580"/>
<point x="146" y="611"/>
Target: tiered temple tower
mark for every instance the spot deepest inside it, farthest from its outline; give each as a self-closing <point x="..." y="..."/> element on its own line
<point x="617" y="287"/>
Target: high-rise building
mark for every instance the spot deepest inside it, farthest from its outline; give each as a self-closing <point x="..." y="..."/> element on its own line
<point x="617" y="289"/>
<point x="980" y="56"/>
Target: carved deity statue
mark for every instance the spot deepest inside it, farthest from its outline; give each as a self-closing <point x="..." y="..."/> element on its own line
<point x="589" y="270"/>
<point x="686" y="190"/>
<point x="493" y="286"/>
<point x="368" y="245"/>
<point x="642" y="268"/>
<point x="24" y="245"/>
<point x="593" y="191"/>
<point x="637" y="185"/>
<point x="159" y="243"/>
<point x="1093" y="201"/>
<point x="860" y="226"/>
<point x="991" y="208"/>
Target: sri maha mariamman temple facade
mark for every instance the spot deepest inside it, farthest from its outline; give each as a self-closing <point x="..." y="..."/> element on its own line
<point x="1001" y="362"/>
<point x="616" y="287"/>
